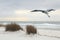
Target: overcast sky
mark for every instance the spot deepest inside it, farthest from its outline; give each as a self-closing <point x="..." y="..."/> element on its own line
<point x="19" y="10"/>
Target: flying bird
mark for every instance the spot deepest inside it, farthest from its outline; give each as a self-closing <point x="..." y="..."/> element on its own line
<point x="44" y="11"/>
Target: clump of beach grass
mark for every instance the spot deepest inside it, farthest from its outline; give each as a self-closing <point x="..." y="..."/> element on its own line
<point x="31" y="29"/>
<point x="13" y="27"/>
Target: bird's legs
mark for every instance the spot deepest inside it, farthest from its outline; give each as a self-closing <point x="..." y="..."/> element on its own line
<point x="48" y="15"/>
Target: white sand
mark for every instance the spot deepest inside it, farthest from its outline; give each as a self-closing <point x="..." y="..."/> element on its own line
<point x="20" y="35"/>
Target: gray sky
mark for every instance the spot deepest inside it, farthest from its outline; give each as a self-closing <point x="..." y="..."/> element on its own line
<point x="18" y="10"/>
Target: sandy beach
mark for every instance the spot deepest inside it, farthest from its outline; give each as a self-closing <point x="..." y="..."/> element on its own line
<point x="21" y="35"/>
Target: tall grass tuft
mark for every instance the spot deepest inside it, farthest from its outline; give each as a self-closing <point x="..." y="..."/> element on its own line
<point x="13" y="27"/>
<point x="31" y="29"/>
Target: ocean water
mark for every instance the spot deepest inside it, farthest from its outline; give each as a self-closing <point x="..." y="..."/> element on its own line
<point x="37" y="24"/>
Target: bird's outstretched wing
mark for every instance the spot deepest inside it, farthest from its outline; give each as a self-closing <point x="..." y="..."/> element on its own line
<point x="50" y="10"/>
<point x="34" y="10"/>
<point x="37" y="11"/>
